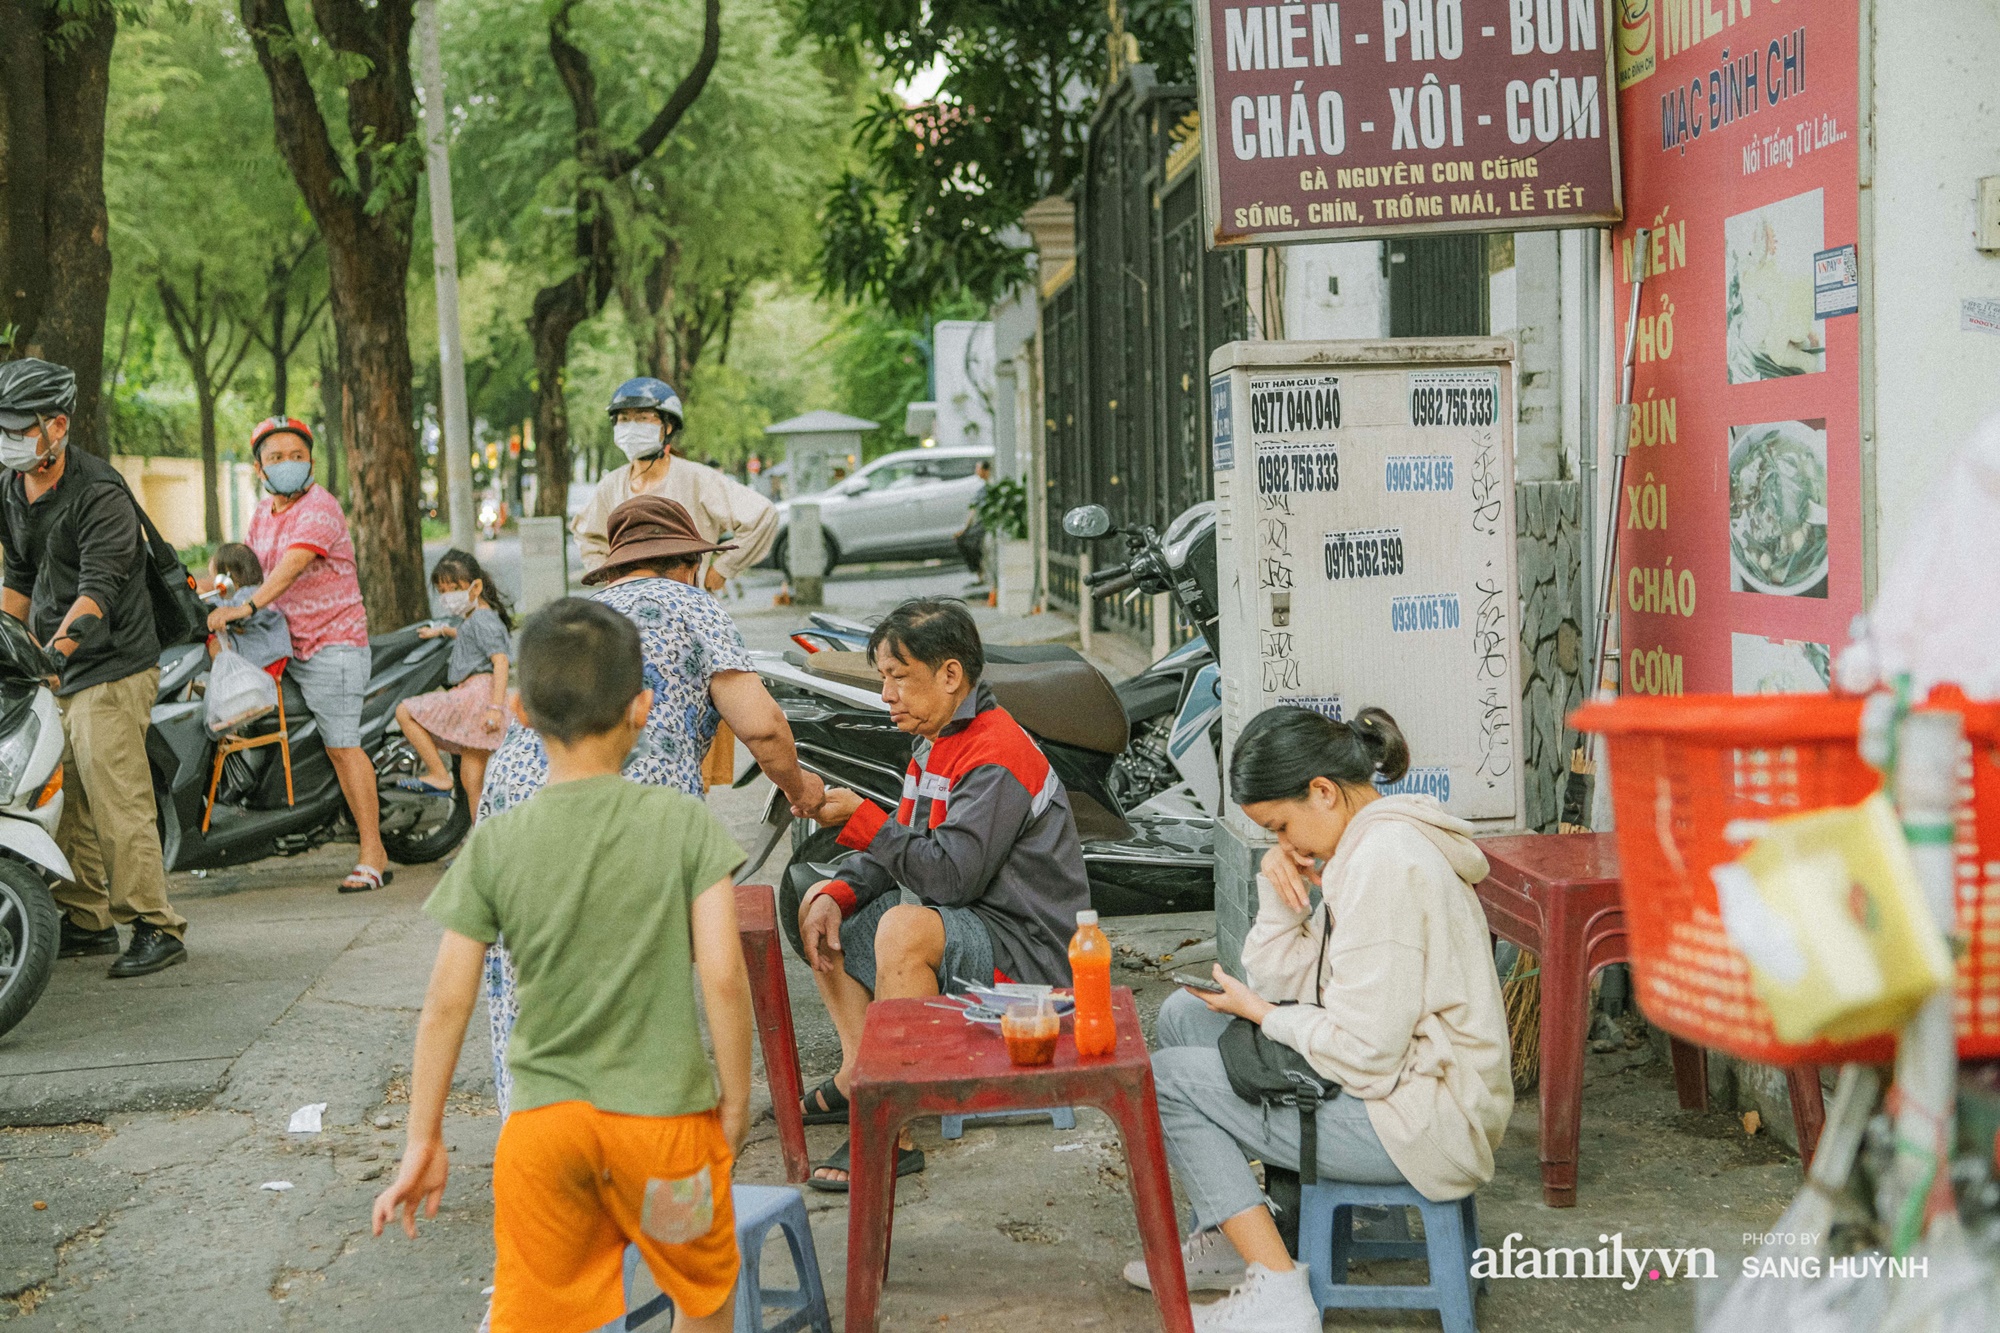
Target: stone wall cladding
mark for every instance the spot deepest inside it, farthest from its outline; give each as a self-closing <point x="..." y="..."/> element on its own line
<point x="1548" y="545"/>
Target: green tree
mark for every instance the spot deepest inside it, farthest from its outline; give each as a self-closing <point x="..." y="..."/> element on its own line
<point x="927" y="213"/>
<point x="205" y="218"/>
<point x="55" y="260"/>
<point x="361" y="191"/>
<point x="697" y="233"/>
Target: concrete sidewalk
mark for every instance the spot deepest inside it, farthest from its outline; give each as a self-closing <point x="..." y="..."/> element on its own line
<point x="295" y="994"/>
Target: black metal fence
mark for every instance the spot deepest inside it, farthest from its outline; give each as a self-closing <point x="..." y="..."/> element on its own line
<point x="1125" y="342"/>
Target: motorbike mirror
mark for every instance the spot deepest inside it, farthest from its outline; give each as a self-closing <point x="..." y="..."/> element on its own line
<point x="1087" y="521"/>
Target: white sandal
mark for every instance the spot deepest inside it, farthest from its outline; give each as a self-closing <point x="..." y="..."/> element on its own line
<point x="366" y="879"/>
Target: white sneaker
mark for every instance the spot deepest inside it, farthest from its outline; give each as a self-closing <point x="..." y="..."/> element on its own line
<point x="1212" y="1264"/>
<point x="1266" y="1302"/>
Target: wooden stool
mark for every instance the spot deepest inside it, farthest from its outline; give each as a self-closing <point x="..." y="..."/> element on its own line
<point x="1556" y="895"/>
<point x="770" y="998"/>
<point x="229" y="745"/>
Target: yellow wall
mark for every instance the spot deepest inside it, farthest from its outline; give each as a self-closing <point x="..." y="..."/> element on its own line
<point x="171" y="491"/>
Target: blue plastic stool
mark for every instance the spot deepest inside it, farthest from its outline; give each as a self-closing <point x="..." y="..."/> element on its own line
<point x="953" y="1126"/>
<point x="1327" y="1243"/>
<point x="758" y="1209"/>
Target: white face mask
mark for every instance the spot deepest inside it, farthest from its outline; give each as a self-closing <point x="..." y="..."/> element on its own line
<point x="639" y="439"/>
<point x="18" y="451"/>
<point x="455" y="603"/>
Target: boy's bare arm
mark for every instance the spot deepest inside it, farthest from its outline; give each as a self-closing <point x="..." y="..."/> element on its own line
<point x="725" y="995"/>
<point x="448" y="1004"/>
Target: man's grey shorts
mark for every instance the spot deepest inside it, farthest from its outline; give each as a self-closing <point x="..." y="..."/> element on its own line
<point x="968" y="949"/>
<point x="334" y="681"/>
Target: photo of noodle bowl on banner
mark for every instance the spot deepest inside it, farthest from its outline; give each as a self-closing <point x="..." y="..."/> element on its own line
<point x="1777" y="508"/>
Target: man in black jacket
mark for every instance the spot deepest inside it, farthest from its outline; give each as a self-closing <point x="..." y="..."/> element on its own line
<point x="74" y="573"/>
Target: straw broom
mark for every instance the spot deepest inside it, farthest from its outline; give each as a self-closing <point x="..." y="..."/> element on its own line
<point x="1522" y="994"/>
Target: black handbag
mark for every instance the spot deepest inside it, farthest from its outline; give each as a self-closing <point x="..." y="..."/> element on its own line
<point x="1273" y="1074"/>
<point x="179" y="614"/>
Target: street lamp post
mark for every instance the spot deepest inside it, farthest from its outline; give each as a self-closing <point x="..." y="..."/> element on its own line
<point x="454" y="430"/>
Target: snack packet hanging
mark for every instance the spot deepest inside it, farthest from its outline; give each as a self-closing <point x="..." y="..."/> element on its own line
<point x="1829" y="912"/>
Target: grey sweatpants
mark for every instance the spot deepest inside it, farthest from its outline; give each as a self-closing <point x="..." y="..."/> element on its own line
<point x="1212" y="1134"/>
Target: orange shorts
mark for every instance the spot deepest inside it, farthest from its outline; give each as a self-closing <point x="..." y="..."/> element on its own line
<point x="573" y="1184"/>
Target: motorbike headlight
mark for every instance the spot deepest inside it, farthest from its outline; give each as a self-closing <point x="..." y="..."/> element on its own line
<point x="15" y="752"/>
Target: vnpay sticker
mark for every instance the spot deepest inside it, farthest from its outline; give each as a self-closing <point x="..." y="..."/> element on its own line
<point x="1454" y="397"/>
<point x="1222" y="430"/>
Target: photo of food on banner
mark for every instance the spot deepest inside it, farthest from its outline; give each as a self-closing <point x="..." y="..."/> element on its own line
<point x="1777" y="508"/>
<point x="1758" y="665"/>
<point x="1773" y="328"/>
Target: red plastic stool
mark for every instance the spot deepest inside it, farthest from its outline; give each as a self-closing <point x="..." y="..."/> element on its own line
<point x="764" y="956"/>
<point x="920" y="1061"/>
<point x="1556" y="896"/>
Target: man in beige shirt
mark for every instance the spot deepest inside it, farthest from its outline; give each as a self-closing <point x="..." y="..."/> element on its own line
<point x="646" y="418"/>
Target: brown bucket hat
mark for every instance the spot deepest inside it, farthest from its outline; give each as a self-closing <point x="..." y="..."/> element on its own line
<point x="649" y="527"/>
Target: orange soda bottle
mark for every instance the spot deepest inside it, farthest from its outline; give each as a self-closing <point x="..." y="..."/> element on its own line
<point x="1090" y="972"/>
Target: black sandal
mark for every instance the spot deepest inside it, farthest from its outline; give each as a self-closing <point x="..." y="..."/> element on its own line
<point x="832" y="1108"/>
<point x="909" y="1161"/>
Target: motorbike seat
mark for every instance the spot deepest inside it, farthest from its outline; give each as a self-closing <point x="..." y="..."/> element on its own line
<point x="1064" y="700"/>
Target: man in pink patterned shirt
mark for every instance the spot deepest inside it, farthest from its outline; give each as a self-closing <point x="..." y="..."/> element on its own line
<point x="300" y="536"/>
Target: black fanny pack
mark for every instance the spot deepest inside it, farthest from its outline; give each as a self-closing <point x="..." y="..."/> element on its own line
<point x="1271" y="1073"/>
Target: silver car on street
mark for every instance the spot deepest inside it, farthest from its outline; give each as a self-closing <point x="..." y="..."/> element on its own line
<point x="903" y="506"/>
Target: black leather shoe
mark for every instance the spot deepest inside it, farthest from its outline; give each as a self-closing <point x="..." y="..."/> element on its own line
<point x="151" y="950"/>
<point x="78" y="942"/>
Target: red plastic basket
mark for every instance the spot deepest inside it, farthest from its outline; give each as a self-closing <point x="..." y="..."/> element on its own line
<point x="1683" y="768"/>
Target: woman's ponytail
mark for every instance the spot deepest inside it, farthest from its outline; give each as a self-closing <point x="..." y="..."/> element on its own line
<point x="1283" y="749"/>
<point x="1384" y="739"/>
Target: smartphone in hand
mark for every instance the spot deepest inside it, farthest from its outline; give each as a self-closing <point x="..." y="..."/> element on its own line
<point x="1206" y="984"/>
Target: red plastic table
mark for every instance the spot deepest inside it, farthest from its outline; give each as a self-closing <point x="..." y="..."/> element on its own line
<point x="1556" y="895"/>
<point x="919" y="1061"/>
<point x="771" y="1000"/>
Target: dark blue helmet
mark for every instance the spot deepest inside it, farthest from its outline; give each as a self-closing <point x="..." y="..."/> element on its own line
<point x="647" y="392"/>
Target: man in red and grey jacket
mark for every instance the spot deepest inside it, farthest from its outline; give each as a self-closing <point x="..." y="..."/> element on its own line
<point x="983" y="837"/>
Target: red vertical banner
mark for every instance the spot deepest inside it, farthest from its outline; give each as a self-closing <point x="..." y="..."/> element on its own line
<point x="1740" y="526"/>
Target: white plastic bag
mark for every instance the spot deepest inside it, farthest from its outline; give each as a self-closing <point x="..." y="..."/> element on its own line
<point x="238" y="693"/>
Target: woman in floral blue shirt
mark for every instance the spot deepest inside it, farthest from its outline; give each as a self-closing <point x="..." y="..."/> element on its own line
<point x="700" y="675"/>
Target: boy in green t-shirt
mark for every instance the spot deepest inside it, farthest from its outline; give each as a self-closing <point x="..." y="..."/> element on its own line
<point x="613" y="897"/>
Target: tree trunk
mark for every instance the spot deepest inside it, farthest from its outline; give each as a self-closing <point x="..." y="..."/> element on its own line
<point x="365" y="221"/>
<point x="211" y="470"/>
<point x="557" y="312"/>
<point x="55" y="256"/>
<point x="559" y="308"/>
<point x="280" y="351"/>
<point x="332" y="439"/>
<point x="384" y="488"/>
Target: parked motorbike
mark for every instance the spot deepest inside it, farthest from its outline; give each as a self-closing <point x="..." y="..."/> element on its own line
<point x="252" y="818"/>
<point x="31" y="801"/>
<point x="1139" y="760"/>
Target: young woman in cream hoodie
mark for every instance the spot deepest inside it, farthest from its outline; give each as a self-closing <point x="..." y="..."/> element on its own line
<point x="1404" y="1013"/>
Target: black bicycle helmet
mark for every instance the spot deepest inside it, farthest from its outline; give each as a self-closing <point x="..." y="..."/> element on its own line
<point x="32" y="390"/>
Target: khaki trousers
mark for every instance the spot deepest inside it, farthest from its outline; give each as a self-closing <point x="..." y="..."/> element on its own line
<point x="718" y="766"/>
<point x="108" y="828"/>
